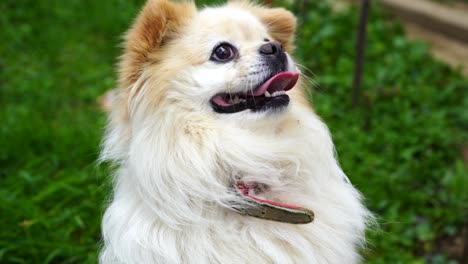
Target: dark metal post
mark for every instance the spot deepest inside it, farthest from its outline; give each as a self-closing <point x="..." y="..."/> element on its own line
<point x="360" y="49"/>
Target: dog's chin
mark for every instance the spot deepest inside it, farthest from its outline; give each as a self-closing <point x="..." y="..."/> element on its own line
<point x="269" y="96"/>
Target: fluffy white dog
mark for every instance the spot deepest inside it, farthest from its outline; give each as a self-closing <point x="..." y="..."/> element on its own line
<point x="219" y="157"/>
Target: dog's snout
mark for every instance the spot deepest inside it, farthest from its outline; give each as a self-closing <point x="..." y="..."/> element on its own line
<point x="271" y="48"/>
<point x="274" y="55"/>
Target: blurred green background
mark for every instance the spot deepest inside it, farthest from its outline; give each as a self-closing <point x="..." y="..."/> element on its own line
<point x="401" y="147"/>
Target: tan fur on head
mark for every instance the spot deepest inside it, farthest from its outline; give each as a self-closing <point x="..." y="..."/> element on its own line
<point x="158" y="22"/>
<point x="282" y="25"/>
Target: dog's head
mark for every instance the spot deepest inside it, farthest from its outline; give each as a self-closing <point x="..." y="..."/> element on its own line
<point x="225" y="60"/>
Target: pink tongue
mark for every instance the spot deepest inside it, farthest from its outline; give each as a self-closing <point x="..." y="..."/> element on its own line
<point x="220" y="101"/>
<point x="283" y="81"/>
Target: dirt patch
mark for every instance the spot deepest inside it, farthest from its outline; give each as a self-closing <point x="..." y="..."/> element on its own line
<point x="454" y="246"/>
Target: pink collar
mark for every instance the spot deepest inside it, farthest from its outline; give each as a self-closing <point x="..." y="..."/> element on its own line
<point x="270" y="210"/>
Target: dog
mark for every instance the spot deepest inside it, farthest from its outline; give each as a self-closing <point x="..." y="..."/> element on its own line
<point x="219" y="157"/>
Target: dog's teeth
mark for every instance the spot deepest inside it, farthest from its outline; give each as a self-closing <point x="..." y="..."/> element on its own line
<point x="277" y="93"/>
<point x="235" y="100"/>
<point x="267" y="94"/>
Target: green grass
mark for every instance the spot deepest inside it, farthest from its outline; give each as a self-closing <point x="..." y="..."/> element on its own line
<point x="401" y="149"/>
<point x="56" y="59"/>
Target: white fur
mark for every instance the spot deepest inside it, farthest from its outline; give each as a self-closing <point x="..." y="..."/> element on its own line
<point x="172" y="201"/>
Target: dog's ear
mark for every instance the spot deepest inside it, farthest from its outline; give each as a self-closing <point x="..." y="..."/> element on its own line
<point x="280" y="23"/>
<point x="158" y="22"/>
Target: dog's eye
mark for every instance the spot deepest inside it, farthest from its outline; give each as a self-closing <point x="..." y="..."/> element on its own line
<point x="223" y="53"/>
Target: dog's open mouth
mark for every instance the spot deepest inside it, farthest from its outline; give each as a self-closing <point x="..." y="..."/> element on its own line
<point x="271" y="210"/>
<point x="269" y="95"/>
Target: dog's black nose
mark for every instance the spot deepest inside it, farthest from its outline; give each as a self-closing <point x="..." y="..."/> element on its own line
<point x="271" y="48"/>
